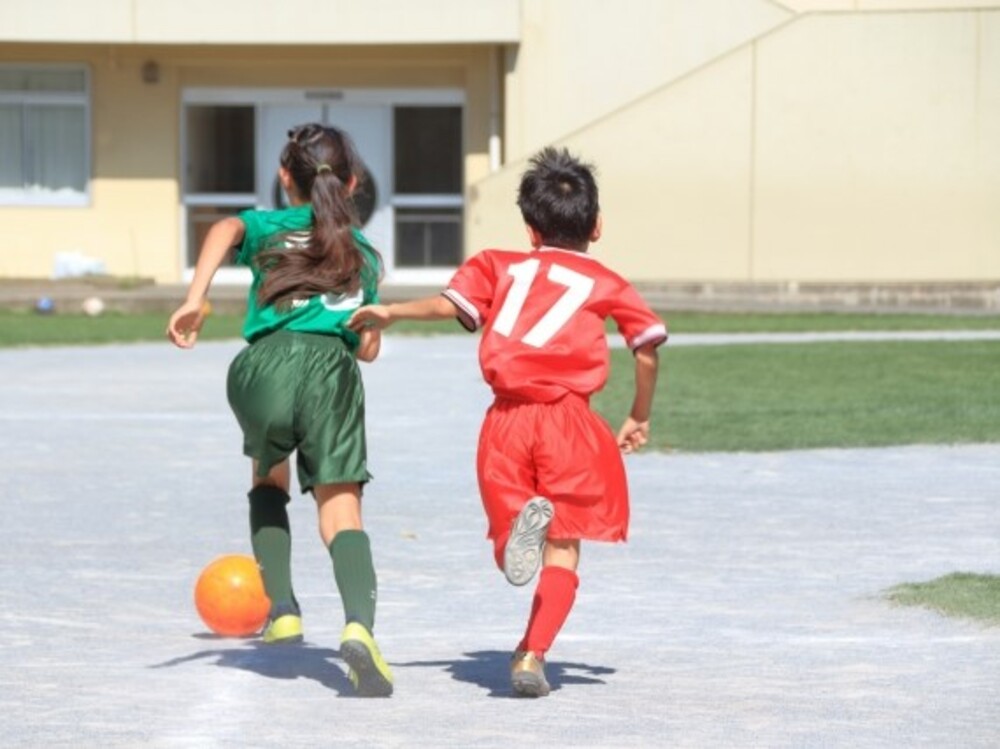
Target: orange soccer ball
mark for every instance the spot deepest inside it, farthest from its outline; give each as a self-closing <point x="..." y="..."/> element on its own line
<point x="230" y="597"/>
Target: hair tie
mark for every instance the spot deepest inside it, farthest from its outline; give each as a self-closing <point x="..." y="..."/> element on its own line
<point x="323" y="168"/>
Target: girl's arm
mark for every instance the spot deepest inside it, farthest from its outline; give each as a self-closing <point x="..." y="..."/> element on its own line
<point x="371" y="342"/>
<point x="634" y="433"/>
<point x="381" y="316"/>
<point x="187" y="319"/>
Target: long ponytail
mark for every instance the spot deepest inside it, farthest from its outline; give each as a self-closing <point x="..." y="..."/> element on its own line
<point x="323" y="163"/>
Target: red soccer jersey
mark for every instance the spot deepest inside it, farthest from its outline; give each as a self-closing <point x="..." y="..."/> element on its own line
<point x="543" y="314"/>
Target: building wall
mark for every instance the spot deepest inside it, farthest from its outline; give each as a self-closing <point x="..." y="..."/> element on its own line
<point x="133" y="222"/>
<point x="887" y="164"/>
<point x="261" y="21"/>
<point x="853" y="146"/>
<point x="737" y="140"/>
<point x="803" y="6"/>
<point x="579" y="61"/>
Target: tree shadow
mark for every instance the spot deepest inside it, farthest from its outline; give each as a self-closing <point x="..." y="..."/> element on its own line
<point x="490" y="670"/>
<point x="296" y="661"/>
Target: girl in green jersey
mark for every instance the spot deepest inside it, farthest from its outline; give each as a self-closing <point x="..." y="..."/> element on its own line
<point x="296" y="386"/>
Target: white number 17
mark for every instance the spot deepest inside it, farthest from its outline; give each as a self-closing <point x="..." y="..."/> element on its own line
<point x="578" y="288"/>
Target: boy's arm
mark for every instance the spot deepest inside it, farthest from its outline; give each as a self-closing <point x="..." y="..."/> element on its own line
<point x="635" y="431"/>
<point x="381" y="316"/>
<point x="188" y="318"/>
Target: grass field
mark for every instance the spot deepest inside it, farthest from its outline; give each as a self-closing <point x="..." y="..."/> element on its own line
<point x="733" y="398"/>
<point x="792" y="396"/>
<point x="28" y="329"/>
<point x="961" y="594"/>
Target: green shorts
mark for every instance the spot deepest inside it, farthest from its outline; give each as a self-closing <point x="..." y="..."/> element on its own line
<point x="301" y="392"/>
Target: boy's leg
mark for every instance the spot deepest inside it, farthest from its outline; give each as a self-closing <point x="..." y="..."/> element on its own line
<point x="554" y="597"/>
<point x="270" y="536"/>
<point x="522" y="549"/>
<point x="505" y="469"/>
<point x="552" y="602"/>
<point x="340" y="527"/>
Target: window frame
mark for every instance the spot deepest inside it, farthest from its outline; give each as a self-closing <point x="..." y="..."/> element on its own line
<point x="58" y="98"/>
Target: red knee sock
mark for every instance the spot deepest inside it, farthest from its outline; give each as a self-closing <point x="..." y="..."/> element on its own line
<point x="554" y="597"/>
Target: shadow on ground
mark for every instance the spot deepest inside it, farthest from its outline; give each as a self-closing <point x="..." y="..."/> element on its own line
<point x="490" y="670"/>
<point x="486" y="669"/>
<point x="299" y="661"/>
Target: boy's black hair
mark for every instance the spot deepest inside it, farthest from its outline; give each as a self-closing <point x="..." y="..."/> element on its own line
<point x="558" y="198"/>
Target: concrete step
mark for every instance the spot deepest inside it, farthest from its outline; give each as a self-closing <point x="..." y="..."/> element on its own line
<point x="122" y="295"/>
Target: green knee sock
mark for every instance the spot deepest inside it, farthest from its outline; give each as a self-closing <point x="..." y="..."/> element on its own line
<point x="355" y="574"/>
<point x="271" y="539"/>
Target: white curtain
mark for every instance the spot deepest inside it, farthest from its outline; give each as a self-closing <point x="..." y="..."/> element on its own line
<point x="11" y="152"/>
<point x="56" y="153"/>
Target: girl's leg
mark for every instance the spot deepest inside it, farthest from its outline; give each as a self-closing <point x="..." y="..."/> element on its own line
<point x="339" y="508"/>
<point x="270" y="536"/>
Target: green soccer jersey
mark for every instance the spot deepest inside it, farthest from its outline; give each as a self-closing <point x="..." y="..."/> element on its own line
<point x="324" y="313"/>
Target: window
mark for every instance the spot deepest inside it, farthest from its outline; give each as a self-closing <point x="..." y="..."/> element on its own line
<point x="44" y="140"/>
<point x="428" y="186"/>
<point x="428" y="149"/>
<point x="220" y="149"/>
<point x="428" y="237"/>
<point x="219" y="168"/>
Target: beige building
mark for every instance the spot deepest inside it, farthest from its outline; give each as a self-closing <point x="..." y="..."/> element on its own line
<point x="737" y="141"/>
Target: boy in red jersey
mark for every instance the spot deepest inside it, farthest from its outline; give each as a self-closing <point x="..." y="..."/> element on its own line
<point x="550" y="469"/>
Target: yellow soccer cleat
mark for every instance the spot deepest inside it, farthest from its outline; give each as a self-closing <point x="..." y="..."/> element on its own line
<point x="368" y="672"/>
<point x="527" y="675"/>
<point x="284" y="630"/>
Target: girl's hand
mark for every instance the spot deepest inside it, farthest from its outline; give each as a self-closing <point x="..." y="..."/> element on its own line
<point x="186" y="322"/>
<point x="633" y="435"/>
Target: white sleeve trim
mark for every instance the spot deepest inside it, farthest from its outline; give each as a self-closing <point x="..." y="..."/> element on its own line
<point x="465" y="305"/>
<point x="656" y="333"/>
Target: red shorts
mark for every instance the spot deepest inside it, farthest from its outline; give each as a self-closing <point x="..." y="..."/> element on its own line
<point x="562" y="451"/>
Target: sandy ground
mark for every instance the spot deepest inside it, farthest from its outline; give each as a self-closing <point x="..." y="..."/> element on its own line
<point x="745" y="610"/>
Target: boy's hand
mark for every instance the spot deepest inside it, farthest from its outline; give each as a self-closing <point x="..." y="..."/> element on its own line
<point x="633" y="435"/>
<point x="186" y="322"/>
<point x="371" y="316"/>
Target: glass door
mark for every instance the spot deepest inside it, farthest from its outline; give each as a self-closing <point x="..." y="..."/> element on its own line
<point x="410" y="140"/>
<point x="369" y="127"/>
